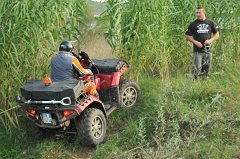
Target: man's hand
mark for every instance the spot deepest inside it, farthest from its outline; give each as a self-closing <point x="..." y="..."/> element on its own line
<point x="214" y="37"/>
<point x="208" y="42"/>
<point x="89" y="71"/>
<point x="198" y="44"/>
<point x="195" y="42"/>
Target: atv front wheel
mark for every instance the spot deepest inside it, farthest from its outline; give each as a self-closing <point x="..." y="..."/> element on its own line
<point x="129" y="93"/>
<point x="91" y="127"/>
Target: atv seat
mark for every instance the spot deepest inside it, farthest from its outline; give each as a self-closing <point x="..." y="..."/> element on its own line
<point x="109" y="65"/>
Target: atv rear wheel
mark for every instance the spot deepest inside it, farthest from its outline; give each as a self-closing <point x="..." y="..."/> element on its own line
<point x="33" y="131"/>
<point x="129" y="93"/>
<point x="91" y="127"/>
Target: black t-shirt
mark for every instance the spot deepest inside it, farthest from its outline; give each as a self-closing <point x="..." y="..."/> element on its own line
<point x="201" y="31"/>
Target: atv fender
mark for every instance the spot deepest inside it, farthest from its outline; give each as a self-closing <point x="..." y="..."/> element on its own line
<point x="117" y="75"/>
<point x="91" y="102"/>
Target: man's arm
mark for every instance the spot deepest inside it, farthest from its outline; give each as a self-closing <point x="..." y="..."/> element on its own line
<point x="76" y="64"/>
<point x="213" y="38"/>
<point x="195" y="42"/>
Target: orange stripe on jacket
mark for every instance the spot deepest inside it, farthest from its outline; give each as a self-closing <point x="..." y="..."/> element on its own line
<point x="78" y="66"/>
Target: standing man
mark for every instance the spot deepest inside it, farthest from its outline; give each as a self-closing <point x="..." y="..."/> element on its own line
<point x="202" y="33"/>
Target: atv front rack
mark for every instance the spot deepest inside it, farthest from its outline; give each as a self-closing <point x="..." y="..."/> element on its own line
<point x="63" y="101"/>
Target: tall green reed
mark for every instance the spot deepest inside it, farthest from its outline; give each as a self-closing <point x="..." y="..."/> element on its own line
<point x="29" y="35"/>
<point x="150" y="33"/>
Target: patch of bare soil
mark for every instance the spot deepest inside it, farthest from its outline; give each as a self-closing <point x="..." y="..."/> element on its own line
<point x="97" y="48"/>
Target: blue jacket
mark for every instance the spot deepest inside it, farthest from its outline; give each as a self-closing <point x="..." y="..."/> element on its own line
<point x="63" y="65"/>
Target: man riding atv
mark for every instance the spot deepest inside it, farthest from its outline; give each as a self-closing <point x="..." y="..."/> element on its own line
<point x="68" y="106"/>
<point x="66" y="66"/>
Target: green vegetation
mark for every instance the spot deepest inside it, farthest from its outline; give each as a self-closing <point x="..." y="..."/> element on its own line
<point x="150" y="33"/>
<point x="16" y="145"/>
<point x="30" y="33"/>
<point x="178" y="117"/>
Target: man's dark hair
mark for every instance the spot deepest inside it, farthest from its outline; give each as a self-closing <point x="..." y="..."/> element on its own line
<point x="200" y="7"/>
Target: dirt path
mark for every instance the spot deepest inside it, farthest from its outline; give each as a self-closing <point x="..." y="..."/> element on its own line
<point x="97" y="48"/>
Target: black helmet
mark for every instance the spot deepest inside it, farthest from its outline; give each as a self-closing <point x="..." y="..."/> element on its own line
<point x="66" y="46"/>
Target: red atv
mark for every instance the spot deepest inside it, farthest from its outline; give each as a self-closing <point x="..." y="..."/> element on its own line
<point x="63" y="106"/>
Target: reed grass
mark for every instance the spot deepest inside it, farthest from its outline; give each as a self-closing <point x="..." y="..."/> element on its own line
<point x="151" y="33"/>
<point x="30" y="33"/>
